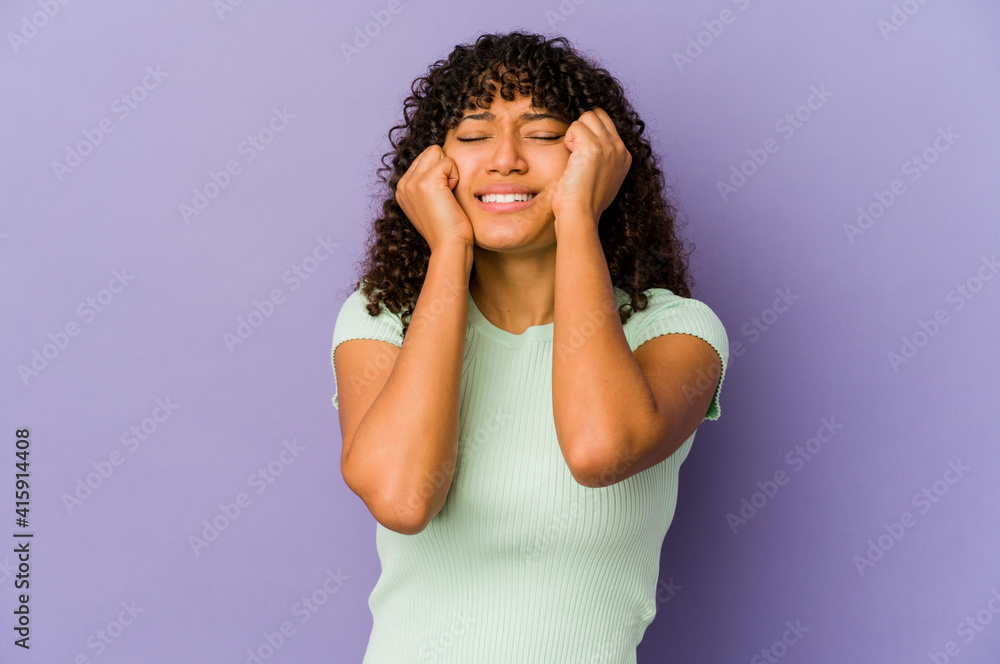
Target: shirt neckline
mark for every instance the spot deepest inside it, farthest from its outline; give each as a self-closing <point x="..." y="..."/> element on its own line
<point x="534" y="333"/>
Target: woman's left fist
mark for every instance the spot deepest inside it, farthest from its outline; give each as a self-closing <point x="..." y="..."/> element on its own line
<point x="597" y="165"/>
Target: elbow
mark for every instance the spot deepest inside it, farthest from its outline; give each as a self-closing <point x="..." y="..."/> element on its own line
<point x="404" y="528"/>
<point x="407" y="516"/>
<point x="585" y="478"/>
<point x="597" y="467"/>
<point x="592" y="477"/>
<point x="403" y="518"/>
<point x="589" y="467"/>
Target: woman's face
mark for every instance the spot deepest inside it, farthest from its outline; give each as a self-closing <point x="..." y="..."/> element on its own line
<point x="511" y="148"/>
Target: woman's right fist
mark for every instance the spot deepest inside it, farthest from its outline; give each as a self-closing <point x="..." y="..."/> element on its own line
<point x="426" y="197"/>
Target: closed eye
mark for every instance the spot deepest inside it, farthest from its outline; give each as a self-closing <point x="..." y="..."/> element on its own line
<point x="540" y="138"/>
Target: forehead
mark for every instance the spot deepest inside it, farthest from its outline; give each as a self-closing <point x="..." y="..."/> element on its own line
<point x="519" y="110"/>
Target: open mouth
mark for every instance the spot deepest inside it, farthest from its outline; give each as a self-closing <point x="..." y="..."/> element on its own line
<point x="505" y="198"/>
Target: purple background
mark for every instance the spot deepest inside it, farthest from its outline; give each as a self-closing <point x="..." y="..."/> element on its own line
<point x="825" y="356"/>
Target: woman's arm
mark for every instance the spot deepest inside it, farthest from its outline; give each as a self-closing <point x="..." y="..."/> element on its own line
<point x="617" y="413"/>
<point x="399" y="418"/>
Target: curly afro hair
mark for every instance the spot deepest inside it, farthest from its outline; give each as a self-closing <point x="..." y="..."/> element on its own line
<point x="637" y="231"/>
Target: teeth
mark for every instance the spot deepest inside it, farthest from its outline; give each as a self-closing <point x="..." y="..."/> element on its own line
<point x="505" y="198"/>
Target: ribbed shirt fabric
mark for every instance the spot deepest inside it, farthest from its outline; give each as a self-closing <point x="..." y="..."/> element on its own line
<point x="523" y="564"/>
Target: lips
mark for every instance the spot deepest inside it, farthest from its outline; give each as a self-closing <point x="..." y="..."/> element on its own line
<point x="506" y="198"/>
<point x="504" y="188"/>
<point x="500" y="203"/>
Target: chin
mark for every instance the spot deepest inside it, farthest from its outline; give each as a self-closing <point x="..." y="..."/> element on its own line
<point x="500" y="232"/>
<point x="493" y="235"/>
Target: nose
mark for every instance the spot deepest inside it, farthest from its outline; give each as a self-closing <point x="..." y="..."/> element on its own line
<point x="507" y="156"/>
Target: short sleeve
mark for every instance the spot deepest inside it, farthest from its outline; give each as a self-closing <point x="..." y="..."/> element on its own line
<point x="354" y="322"/>
<point x="668" y="313"/>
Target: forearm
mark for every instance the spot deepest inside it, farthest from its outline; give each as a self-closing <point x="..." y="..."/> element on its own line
<point x="406" y="445"/>
<point x="600" y="398"/>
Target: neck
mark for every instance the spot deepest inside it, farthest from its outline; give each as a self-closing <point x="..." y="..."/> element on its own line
<point x="514" y="293"/>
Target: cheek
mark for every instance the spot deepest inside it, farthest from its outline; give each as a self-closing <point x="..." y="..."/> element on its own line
<point x="464" y="196"/>
<point x="466" y="200"/>
<point x="556" y="165"/>
<point x="467" y="168"/>
<point x="463" y="163"/>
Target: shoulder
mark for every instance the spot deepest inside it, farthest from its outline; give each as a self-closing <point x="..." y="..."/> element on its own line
<point x="354" y="322"/>
<point x="669" y="313"/>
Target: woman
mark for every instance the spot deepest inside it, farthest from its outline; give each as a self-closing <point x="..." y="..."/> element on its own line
<point x="521" y="368"/>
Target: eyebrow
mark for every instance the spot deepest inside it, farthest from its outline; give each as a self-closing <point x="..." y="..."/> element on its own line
<point x="525" y="117"/>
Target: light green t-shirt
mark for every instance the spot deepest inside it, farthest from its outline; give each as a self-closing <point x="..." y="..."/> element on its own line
<point x="523" y="564"/>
